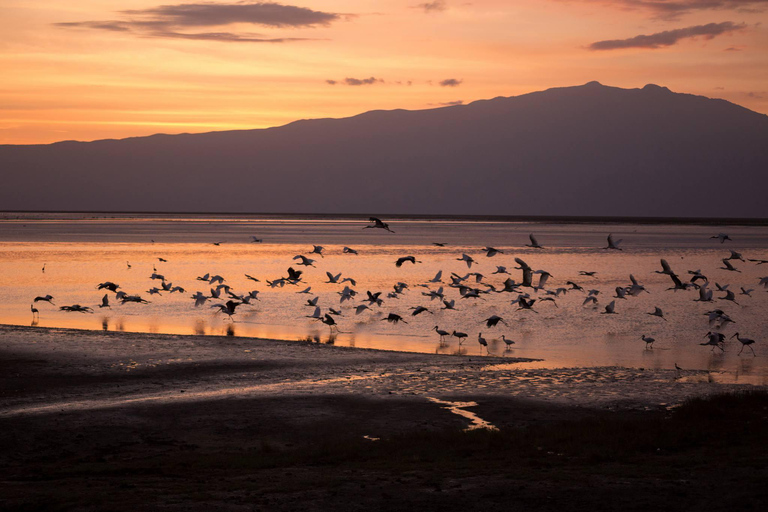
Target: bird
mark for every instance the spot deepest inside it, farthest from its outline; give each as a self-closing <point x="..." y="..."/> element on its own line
<point x="438" y="294"/>
<point x="534" y="243"/>
<point x="34" y="311"/>
<point x="493" y="320"/>
<point x="199" y="299"/>
<point x="746" y="292"/>
<point x="294" y="276"/>
<point x="449" y="304"/>
<point x="127" y="264"/>
<point x="104" y="301"/>
<point x="438" y="277"/>
<point x="657" y="312"/>
<point x="333" y="279"/>
<point x="527" y="273"/>
<point x="613" y="244"/>
<point x="500" y="270"/>
<point x="729" y="295"/>
<point x="735" y="255"/>
<point x="316" y="315"/>
<point x="377" y="223"/>
<point x="466" y="259"/>
<point x="460" y="335"/>
<point x="43" y="268"/>
<point x="729" y="266"/>
<point x="247" y="276"/>
<point x="508" y="342"/>
<point x="256" y="240"/>
<point x="330" y="322"/>
<point x="588" y="273"/>
<point x="362" y="307"/>
<point x="46" y="298"/>
<point x="716" y="340"/>
<point x="349" y="250"/>
<point x="317" y="249"/>
<point x="745" y="342"/>
<point x="442" y="333"/>
<point x="526" y="304"/>
<point x="543" y="277"/>
<point x="665" y="269"/>
<point x="312" y="302"/>
<point x="163" y="260"/>
<point x="394" y="318"/>
<point x="76" y="308"/>
<point x="417" y="310"/>
<point x="109" y="285"/>
<point x="400" y="261"/>
<point x="491" y="251"/>
<point x="483" y="342"/>
<point x="228" y="308"/>
<point x="304" y="260"/>
<point x="648" y="341"/>
<point x="722" y="237"/>
<point x="610" y="308"/>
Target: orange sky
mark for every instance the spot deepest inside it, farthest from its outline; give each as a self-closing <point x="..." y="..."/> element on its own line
<point x="89" y="69"/>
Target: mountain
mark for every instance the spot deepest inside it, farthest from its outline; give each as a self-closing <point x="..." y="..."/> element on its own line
<point x="585" y="150"/>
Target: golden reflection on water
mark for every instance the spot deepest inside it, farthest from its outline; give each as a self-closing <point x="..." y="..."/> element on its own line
<point x="568" y="335"/>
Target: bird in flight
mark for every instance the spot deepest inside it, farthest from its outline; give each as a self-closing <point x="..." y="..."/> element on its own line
<point x="377" y="223"/>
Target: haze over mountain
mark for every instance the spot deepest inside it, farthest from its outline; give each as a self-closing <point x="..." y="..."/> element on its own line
<point x="585" y="150"/>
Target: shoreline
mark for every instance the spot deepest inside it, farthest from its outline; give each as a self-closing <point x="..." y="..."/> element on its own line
<point x="31" y="215"/>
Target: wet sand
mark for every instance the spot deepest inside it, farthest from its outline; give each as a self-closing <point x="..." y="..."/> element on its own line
<point x="119" y="421"/>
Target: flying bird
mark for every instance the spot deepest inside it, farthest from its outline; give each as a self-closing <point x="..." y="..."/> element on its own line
<point x="613" y="244"/>
<point x="377" y="223"/>
<point x="534" y="243"/>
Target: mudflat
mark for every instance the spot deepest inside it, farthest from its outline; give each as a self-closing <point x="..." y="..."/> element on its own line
<point x="123" y="421"/>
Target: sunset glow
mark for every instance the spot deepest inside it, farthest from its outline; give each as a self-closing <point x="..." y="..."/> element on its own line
<point x="88" y="70"/>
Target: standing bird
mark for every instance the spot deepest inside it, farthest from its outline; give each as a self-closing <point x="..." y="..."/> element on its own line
<point x="43" y="268"/>
<point x="648" y="341"/>
<point x="745" y="342"/>
<point x="442" y="333"/>
<point x="509" y="343"/>
<point x="613" y="244"/>
<point x="534" y="243"/>
<point x="482" y="341"/>
<point x="461" y="335"/>
<point x="377" y="223"/>
<point x="34" y="311"/>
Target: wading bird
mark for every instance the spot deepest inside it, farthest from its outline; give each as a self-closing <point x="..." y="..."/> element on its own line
<point x="745" y="342"/>
<point x="442" y="333"/>
<point x="508" y="342"/>
<point x="483" y="342"/>
<point x="648" y="341"/>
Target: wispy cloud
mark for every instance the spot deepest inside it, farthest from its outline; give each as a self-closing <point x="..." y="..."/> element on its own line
<point x="451" y="103"/>
<point x="356" y="81"/>
<point x="175" y="21"/>
<point x="450" y="82"/>
<point x="435" y="6"/>
<point x="669" y="37"/>
<point x="673" y="9"/>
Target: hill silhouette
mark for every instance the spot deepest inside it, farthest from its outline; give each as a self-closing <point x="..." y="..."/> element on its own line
<point x="584" y="150"/>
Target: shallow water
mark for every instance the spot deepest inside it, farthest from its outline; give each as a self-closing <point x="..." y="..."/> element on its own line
<point x="80" y="253"/>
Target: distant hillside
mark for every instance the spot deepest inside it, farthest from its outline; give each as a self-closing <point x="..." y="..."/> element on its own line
<point x="586" y="150"/>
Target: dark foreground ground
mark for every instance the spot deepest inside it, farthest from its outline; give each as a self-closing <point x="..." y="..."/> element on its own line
<point x="309" y="453"/>
<point x="140" y="422"/>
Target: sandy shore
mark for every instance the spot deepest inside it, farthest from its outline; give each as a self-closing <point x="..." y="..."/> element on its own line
<point x="84" y="413"/>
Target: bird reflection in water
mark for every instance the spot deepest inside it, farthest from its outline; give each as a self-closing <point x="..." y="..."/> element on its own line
<point x="105" y="324"/>
<point x="231" y="329"/>
<point x="199" y="327"/>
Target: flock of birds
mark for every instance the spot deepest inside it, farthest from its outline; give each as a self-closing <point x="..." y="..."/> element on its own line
<point x="533" y="288"/>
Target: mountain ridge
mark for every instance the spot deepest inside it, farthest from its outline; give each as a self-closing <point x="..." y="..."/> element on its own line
<point x="562" y="151"/>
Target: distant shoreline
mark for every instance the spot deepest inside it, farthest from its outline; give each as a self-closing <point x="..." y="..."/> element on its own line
<point x="543" y="219"/>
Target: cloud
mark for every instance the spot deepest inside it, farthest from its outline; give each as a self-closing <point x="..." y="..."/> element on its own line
<point x="669" y="37"/>
<point x="673" y="9"/>
<point x="452" y="103"/>
<point x="173" y="21"/>
<point x="435" y="6"/>
<point x="756" y="95"/>
<point x="450" y="82"/>
<point x="331" y="82"/>
<point x="363" y="81"/>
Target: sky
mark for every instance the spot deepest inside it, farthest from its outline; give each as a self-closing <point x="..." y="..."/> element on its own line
<point x="94" y="69"/>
